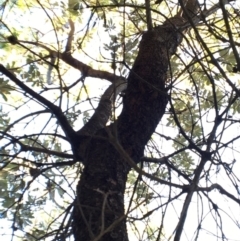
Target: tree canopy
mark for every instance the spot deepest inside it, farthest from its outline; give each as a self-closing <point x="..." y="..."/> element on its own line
<point x="151" y="88"/>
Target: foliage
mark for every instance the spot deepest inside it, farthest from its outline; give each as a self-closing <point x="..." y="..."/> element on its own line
<point x="38" y="174"/>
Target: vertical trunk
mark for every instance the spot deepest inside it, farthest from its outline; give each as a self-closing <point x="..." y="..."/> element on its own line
<point x="100" y="192"/>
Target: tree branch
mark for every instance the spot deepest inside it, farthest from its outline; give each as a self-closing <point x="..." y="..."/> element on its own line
<point x="164" y="160"/>
<point x="220" y="189"/>
<point x="23" y="117"/>
<point x="70" y="37"/>
<point x="133" y="165"/>
<point x="25" y="148"/>
<point x="68" y="130"/>
<point x="88" y="71"/>
<point x="103" y="111"/>
<point x="66" y="57"/>
<point x="148" y="15"/>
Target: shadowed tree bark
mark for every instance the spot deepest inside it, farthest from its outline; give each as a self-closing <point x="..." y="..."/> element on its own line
<point x="99" y="207"/>
<point x="109" y="152"/>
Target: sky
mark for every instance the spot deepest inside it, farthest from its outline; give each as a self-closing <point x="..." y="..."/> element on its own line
<point x="197" y="210"/>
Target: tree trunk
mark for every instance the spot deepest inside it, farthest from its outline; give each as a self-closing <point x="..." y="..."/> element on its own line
<point x="99" y="208"/>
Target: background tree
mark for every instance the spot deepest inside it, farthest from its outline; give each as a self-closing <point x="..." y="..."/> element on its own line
<point x="155" y="151"/>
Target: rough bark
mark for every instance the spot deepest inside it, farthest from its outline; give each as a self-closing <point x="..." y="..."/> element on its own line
<point x="99" y="206"/>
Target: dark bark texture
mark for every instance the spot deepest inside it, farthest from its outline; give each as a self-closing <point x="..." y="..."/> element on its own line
<point x="99" y="207"/>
